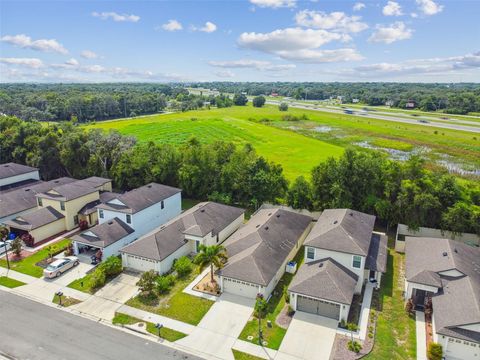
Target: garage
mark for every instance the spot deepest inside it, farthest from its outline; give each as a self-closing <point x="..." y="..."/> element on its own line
<point x="138" y="263"/>
<point x="319" y="307"/>
<point x="241" y="288"/>
<point x="457" y="349"/>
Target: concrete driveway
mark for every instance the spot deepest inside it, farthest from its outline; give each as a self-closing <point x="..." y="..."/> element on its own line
<point x="219" y="329"/>
<point x="309" y="337"/>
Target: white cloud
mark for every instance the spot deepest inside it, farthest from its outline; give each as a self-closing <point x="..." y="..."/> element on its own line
<point x="172" y="25"/>
<point x="392" y="9"/>
<point x="224" y="74"/>
<point x="26" y="42"/>
<point x="33" y="63"/>
<point x="209" y="27"/>
<point x="429" y="7"/>
<point x="88" y="54"/>
<point x="358" y="6"/>
<point x="72" y="62"/>
<point x="116" y="17"/>
<point x="322" y="56"/>
<point x="414" y="15"/>
<point x="391" y="33"/>
<point x="275" y="4"/>
<point x="335" y="21"/>
<point x="253" y="64"/>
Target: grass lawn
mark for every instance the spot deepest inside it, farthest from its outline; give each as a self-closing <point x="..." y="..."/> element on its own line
<point x="66" y="301"/>
<point x="176" y="304"/>
<point x="274" y="335"/>
<point x="27" y="264"/>
<point x="239" y="355"/>
<point x="395" y="335"/>
<point x="9" y="282"/>
<point x="165" y="333"/>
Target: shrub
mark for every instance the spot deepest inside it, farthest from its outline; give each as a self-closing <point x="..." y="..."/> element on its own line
<point x="112" y="266"/>
<point x="164" y="283"/>
<point x="285" y="294"/>
<point x="370" y="335"/>
<point x="98" y="278"/>
<point x="409" y="306"/>
<point x="17" y="246"/>
<point x="183" y="266"/>
<point x="435" y="351"/>
<point x="69" y="250"/>
<point x="258" y="101"/>
<point x="283" y="106"/>
<point x="28" y="239"/>
<point x="83" y="224"/>
<point x="354" y="346"/>
<point x="146" y="283"/>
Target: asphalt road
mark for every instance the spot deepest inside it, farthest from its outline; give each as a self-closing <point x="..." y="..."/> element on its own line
<point x="29" y="330"/>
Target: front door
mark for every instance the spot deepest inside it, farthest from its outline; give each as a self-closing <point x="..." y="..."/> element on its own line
<point x="197" y="246"/>
<point x="419" y="297"/>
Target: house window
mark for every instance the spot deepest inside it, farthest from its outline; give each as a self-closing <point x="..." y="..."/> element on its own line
<point x="75" y="219"/>
<point x="162" y="205"/>
<point x="310" y="253"/>
<point x="129" y="219"/>
<point x="62" y="205"/>
<point x="40" y="202"/>
<point x="100" y="214"/>
<point x="357" y="261"/>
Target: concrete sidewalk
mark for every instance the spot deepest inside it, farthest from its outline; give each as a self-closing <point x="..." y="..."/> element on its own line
<point x="154" y="318"/>
<point x="365" y="311"/>
<point x="421" y="336"/>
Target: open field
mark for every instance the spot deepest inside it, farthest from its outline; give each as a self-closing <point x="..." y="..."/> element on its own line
<point x="301" y="144"/>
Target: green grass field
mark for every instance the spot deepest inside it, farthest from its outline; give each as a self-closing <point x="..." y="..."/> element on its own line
<point x="294" y="144"/>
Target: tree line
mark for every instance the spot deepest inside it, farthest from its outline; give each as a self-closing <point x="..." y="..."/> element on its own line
<point x="221" y="171"/>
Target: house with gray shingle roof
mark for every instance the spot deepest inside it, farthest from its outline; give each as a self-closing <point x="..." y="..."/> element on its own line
<point x="207" y="223"/>
<point x="14" y="175"/>
<point x="447" y="272"/>
<point x="260" y="250"/>
<point x="342" y="252"/>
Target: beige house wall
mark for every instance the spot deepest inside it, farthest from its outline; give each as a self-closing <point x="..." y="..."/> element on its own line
<point x="48" y="230"/>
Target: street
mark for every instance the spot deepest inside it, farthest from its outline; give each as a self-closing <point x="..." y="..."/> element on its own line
<point x="30" y="330"/>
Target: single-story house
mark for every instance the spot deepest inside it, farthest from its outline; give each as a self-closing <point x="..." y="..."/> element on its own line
<point x="12" y="175"/>
<point x="447" y="272"/>
<point x="206" y="223"/>
<point x="109" y="237"/>
<point x="259" y="252"/>
<point x="341" y="253"/>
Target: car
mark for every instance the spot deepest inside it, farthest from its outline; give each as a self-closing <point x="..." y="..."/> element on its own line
<point x="5" y="246"/>
<point x="59" y="266"/>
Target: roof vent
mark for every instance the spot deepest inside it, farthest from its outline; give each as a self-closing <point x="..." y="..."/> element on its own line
<point x="149" y="186"/>
<point x="320" y="265"/>
<point x="445" y="253"/>
<point x="335" y="222"/>
<point x="266" y="227"/>
<point x="56" y="181"/>
<point x="110" y="223"/>
<point x="278" y="215"/>
<point x="351" y="214"/>
<point x="27" y="189"/>
<point x="257" y="226"/>
<point x="269" y="214"/>
<point x="202" y="210"/>
<point x="6" y="165"/>
<point x="456" y="251"/>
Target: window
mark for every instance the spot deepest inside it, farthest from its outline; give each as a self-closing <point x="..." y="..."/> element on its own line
<point x="310" y="253"/>
<point x="62" y="205"/>
<point x="40" y="202"/>
<point x="129" y="219"/>
<point x="162" y="205"/>
<point x="75" y="219"/>
<point x="100" y="214"/>
<point x="357" y="261"/>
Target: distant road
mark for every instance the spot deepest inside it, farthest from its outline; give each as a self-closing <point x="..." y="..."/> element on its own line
<point x="38" y="332"/>
<point x="383" y="116"/>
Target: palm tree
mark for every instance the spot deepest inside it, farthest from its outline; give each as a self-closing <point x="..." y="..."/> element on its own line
<point x="211" y="255"/>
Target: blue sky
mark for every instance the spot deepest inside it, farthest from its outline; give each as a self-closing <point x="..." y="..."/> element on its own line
<point x="242" y="40"/>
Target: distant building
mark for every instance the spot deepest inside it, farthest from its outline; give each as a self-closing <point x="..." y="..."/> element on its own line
<point x="389" y="103"/>
<point x="410" y="104"/>
<point x="274" y="94"/>
<point x="355" y="101"/>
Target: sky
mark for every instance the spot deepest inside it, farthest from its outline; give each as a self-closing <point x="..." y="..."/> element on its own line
<point x="240" y="40"/>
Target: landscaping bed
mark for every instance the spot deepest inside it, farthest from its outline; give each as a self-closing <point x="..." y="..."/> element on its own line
<point x="165" y="333"/>
<point x="99" y="277"/>
<point x="9" y="282"/>
<point x="66" y="301"/>
<point x="28" y="265"/>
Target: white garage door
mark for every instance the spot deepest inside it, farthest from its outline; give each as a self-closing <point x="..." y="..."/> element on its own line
<point x="319" y="307"/>
<point x="462" y="350"/>
<point x="138" y="263"/>
<point x="241" y="288"/>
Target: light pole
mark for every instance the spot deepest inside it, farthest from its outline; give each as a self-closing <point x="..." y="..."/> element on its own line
<point x="6" y="254"/>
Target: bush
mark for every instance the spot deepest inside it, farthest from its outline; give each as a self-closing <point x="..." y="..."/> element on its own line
<point x="435" y="351"/>
<point x="17" y="246"/>
<point x="286" y="295"/>
<point x="112" y="266"/>
<point x="146" y="283"/>
<point x="83" y="224"/>
<point x="98" y="278"/>
<point x="354" y="346"/>
<point x="283" y="107"/>
<point x="28" y="239"/>
<point x="164" y="283"/>
<point x="409" y="306"/>
<point x="258" y="101"/>
<point x="239" y="99"/>
<point x="183" y="266"/>
<point x="69" y="250"/>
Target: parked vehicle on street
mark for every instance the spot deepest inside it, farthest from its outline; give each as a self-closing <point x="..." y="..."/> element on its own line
<point x="58" y="267"/>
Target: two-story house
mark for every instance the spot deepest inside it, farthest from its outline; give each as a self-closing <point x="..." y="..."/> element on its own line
<point x="341" y="253"/>
<point x="14" y="175"/>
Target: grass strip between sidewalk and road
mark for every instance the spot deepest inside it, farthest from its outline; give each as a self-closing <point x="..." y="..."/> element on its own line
<point x="66" y="300"/>
<point x="9" y="282"/>
<point x="240" y="355"/>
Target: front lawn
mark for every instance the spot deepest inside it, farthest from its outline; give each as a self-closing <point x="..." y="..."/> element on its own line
<point x="395" y="336"/>
<point x="272" y="335"/>
<point x="66" y="301"/>
<point x="239" y="355"/>
<point x="9" y="282"/>
<point x="27" y="264"/>
<point x="165" y="333"/>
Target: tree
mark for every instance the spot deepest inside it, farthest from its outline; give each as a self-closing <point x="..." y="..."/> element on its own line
<point x="435" y="351"/>
<point x="283" y="106"/>
<point x="164" y="283"/>
<point x="211" y="255"/>
<point x="111" y="266"/>
<point x="146" y="283"/>
<point x="461" y="218"/>
<point x="183" y="266"/>
<point x="299" y="196"/>
<point x="240" y="99"/>
<point x="258" y="101"/>
<point x="260" y="308"/>
<point x="17" y="246"/>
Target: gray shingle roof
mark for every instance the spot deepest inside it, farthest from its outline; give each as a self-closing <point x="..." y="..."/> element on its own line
<point x="95" y="181"/>
<point x="342" y="230"/>
<point x="70" y="191"/>
<point x="91" y="207"/>
<point x="258" y="250"/>
<point x="377" y="253"/>
<point x="458" y="301"/>
<point x="12" y="169"/>
<point x="325" y="279"/>
<point x="35" y="219"/>
<point x="23" y="199"/>
<point x="104" y="234"/>
<point x="164" y="240"/>
<point x="18" y="185"/>
<point x="141" y="198"/>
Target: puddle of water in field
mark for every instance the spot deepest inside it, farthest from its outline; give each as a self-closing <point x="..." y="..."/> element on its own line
<point x="458" y="168"/>
<point x="322" y="129"/>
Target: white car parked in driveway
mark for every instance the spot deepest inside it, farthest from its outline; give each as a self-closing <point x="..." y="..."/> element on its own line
<point x="5" y="246"/>
<point x="59" y="266"/>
